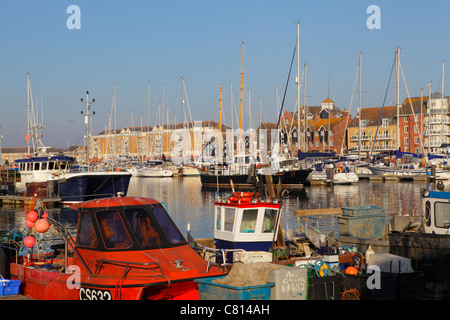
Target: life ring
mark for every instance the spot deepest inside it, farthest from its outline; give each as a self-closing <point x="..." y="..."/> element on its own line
<point x="243" y="194"/>
<point x="338" y="170"/>
<point x="259" y="165"/>
<point x="246" y="199"/>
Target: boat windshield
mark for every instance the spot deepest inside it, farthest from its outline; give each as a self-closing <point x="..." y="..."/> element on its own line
<point x="442" y="214"/>
<point x="153" y="227"/>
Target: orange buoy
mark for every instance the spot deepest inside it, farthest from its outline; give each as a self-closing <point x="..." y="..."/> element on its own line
<point x="351" y="270"/>
<point x="29" y="224"/>
<point x="41" y="225"/>
<point x="29" y="241"/>
<point x="32" y="216"/>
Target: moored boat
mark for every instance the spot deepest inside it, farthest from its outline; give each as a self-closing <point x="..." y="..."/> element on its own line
<point x="125" y="248"/>
<point x="426" y="241"/>
<point x="62" y="177"/>
<point x="150" y="172"/>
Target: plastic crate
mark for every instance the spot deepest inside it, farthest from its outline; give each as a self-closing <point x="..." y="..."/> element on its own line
<point x="409" y="286"/>
<point x="324" y="288"/>
<point x="369" y="226"/>
<point x="9" y="287"/>
<point x="387" y="290"/>
<point x="209" y="290"/>
<point x="361" y="210"/>
<point x="291" y="283"/>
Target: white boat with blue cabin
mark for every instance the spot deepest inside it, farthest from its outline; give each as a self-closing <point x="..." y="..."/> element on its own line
<point x="65" y="179"/>
<point x="245" y="222"/>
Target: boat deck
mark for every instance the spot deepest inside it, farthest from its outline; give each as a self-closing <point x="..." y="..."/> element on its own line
<point x="373" y="177"/>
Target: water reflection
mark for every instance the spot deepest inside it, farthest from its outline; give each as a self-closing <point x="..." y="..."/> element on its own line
<point x="188" y="203"/>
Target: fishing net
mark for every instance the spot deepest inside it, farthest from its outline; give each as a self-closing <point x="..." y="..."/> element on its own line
<point x="251" y="274"/>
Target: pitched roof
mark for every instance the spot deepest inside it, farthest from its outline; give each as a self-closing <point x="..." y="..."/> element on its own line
<point x="315" y="124"/>
<point x="372" y="116"/>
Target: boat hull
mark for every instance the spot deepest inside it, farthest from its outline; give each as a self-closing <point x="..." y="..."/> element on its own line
<point x="290" y="180"/>
<point x="91" y="185"/>
<point x="127" y="275"/>
<point x="44" y="284"/>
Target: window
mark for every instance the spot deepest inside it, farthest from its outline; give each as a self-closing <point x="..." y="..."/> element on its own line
<point x="269" y="220"/>
<point x="86" y="233"/>
<point x="363" y="123"/>
<point x="113" y="232"/>
<point x="406" y="129"/>
<point x="44" y="166"/>
<point x="143" y="226"/>
<point x="248" y="223"/>
<point x="427" y="213"/>
<point x="442" y="214"/>
<point x="167" y="225"/>
<point x="384" y="122"/>
<point x="218" y="218"/>
<point x="229" y="219"/>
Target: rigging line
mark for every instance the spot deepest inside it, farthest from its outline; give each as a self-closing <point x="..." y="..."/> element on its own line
<point x="384" y="101"/>
<point x="351" y="103"/>
<point x="285" y="90"/>
<point x="412" y="110"/>
<point x="287" y="84"/>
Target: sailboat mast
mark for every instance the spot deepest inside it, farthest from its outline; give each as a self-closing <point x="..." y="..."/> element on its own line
<point x="242" y="89"/>
<point x="220" y="108"/>
<point x="298" y="84"/>
<point x="397" y="58"/>
<point x="329" y="114"/>
<point x="28" y="136"/>
<point x="442" y="105"/>
<point x="219" y="153"/>
<point x="148" y="119"/>
<point x="304" y="107"/>
<point x="359" y="107"/>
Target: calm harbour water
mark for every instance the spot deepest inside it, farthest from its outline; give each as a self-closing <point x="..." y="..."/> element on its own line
<point x="188" y="203"/>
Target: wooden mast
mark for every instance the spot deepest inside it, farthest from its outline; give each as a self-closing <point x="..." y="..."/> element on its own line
<point x="242" y="90"/>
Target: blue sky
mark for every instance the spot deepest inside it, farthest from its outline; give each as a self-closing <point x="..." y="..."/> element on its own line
<point x="133" y="42"/>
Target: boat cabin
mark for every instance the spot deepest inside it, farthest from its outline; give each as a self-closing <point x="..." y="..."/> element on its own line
<point x="45" y="164"/>
<point x="436" y="212"/>
<point x="135" y="224"/>
<point x="245" y="222"/>
<point x="125" y="248"/>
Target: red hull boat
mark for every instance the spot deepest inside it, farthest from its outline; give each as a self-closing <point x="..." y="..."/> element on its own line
<point x="125" y="249"/>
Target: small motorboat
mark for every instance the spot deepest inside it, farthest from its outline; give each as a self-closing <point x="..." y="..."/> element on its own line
<point x="126" y="248"/>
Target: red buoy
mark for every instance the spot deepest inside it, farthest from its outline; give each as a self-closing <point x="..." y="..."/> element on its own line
<point x="32" y="216"/>
<point x="41" y="225"/>
<point x="29" y="241"/>
<point x="351" y="270"/>
<point x="29" y="224"/>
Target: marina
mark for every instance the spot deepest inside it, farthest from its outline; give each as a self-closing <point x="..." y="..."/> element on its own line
<point x="207" y="196"/>
<point x="192" y="209"/>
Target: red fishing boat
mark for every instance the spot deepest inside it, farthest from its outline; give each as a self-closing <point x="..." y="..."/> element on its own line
<point x="126" y="248"/>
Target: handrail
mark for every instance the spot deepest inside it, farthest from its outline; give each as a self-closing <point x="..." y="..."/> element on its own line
<point x="127" y="265"/>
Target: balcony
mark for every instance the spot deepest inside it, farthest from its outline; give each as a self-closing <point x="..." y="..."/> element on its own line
<point x="363" y="137"/>
<point x="377" y="148"/>
<point x="438" y="132"/>
<point x="370" y="137"/>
